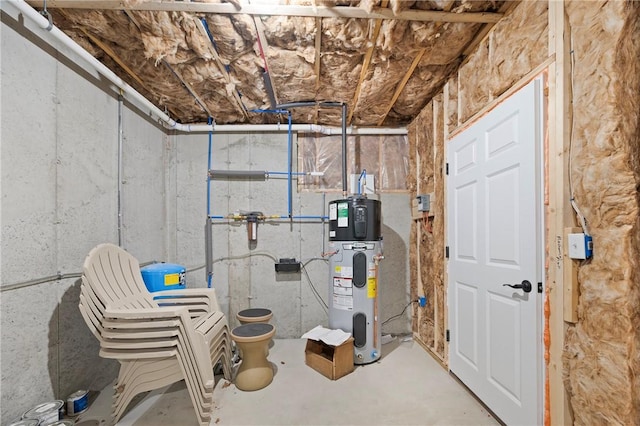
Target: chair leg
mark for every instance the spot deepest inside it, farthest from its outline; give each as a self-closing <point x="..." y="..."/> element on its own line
<point x="199" y="398"/>
<point x="145" y="376"/>
<point x="222" y="355"/>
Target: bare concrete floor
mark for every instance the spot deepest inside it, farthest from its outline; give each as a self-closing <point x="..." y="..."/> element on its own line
<point x="406" y="387"/>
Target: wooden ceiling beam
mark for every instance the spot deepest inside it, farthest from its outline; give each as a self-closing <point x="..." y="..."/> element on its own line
<point x="186" y="85"/>
<point x="402" y="84"/>
<point x="276" y="10"/>
<point x="223" y="70"/>
<point x="318" y="50"/>
<point x="109" y="51"/>
<point x="412" y="68"/>
<point x="366" y="63"/>
<point x="264" y="46"/>
<point x="116" y="58"/>
<point x="188" y="88"/>
<point x="316" y="64"/>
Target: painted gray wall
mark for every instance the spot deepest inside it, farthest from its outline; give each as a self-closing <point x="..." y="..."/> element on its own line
<point x="59" y="199"/>
<point x="249" y="279"/>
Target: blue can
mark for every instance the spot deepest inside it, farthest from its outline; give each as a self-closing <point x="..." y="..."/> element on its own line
<point x="77" y="402"/>
<point x="163" y="276"/>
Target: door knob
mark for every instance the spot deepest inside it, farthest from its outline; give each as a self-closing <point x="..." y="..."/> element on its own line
<point x="525" y="286"/>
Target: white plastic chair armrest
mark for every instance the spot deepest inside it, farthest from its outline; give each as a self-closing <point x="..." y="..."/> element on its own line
<point x="207" y="295"/>
<point x="146" y="313"/>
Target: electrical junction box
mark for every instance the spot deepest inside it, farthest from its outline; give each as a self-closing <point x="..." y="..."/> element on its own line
<point x="580" y="246"/>
<point x="288" y="265"/>
<point x="424" y="202"/>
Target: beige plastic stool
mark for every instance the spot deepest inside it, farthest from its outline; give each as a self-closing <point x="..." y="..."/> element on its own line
<point x="253" y="315"/>
<point x="255" y="371"/>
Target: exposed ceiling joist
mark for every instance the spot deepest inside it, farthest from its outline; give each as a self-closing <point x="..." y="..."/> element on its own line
<point x="264" y="46"/>
<point x="223" y="70"/>
<point x="109" y="51"/>
<point x="409" y="73"/>
<point x="276" y="10"/>
<point x="318" y="47"/>
<point x="118" y="60"/>
<point x="188" y="88"/>
<point x="328" y="57"/>
<point x="365" y="64"/>
<point x="185" y="83"/>
<point x="401" y="85"/>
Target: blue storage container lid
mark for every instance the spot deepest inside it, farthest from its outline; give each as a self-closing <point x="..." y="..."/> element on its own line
<point x="159" y="268"/>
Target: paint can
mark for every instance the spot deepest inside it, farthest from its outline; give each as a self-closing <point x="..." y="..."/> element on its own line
<point x="25" y="422"/>
<point x="77" y="402"/>
<point x="46" y="413"/>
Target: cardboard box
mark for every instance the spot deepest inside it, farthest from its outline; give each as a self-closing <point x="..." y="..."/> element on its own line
<point x="330" y="361"/>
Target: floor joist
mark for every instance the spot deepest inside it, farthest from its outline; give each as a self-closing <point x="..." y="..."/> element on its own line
<point x="277" y="10"/>
<point x="366" y="62"/>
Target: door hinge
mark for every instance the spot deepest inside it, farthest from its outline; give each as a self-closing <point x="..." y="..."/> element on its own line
<point x="446" y="252"/>
<point x="446" y="168"/>
<point x="448" y="336"/>
<point x="539" y="287"/>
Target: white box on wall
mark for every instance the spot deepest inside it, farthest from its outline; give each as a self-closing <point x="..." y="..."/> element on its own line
<point x="580" y="246"/>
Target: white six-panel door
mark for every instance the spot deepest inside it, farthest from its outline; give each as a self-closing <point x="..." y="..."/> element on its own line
<point x="493" y="205"/>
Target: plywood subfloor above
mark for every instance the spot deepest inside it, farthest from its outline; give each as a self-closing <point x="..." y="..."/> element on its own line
<point x="225" y="60"/>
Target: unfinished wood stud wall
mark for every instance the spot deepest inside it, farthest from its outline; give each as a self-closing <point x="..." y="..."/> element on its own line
<point x="590" y="53"/>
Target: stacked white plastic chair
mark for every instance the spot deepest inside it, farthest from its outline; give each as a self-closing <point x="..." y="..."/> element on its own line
<point x="159" y="338"/>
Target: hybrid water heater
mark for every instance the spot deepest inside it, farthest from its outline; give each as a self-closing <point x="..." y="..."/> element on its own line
<point x="356" y="246"/>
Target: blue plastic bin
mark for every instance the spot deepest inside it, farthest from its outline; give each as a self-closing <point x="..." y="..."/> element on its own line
<point x="163" y="276"/>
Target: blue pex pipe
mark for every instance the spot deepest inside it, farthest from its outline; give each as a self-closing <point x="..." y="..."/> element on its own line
<point x="289" y="149"/>
<point x="209" y="121"/>
<point x="364" y="173"/>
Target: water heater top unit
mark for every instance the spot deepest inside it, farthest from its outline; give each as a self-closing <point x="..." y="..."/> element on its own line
<point x="355" y="219"/>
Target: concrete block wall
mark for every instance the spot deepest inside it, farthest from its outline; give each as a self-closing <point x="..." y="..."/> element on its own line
<point x="244" y="274"/>
<point x="58" y="163"/>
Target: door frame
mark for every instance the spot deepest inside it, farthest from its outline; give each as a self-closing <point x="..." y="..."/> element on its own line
<point x="539" y="74"/>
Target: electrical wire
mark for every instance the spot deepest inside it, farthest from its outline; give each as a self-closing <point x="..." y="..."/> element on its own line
<point x="574" y="205"/>
<point x="311" y="259"/>
<point x="400" y="314"/>
<point x="244" y="256"/>
<point x="51" y="278"/>
<point x="303" y="264"/>
<point x="325" y="307"/>
<point x="196" y="268"/>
